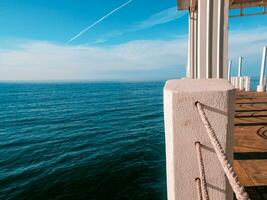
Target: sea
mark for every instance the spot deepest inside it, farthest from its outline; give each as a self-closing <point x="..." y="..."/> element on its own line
<point x="79" y="141"/>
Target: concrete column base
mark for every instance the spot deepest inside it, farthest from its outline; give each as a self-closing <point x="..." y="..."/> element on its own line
<point x="236" y="82"/>
<point x="261" y="88"/>
<point x="241" y="83"/>
<point x="183" y="128"/>
<point x="247" y="83"/>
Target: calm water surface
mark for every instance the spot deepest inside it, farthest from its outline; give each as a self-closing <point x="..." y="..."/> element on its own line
<point x="82" y="141"/>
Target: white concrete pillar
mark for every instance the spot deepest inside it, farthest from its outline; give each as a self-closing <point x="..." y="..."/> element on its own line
<point x="202" y="68"/>
<point x="241" y="85"/>
<point x="232" y="80"/>
<point x="223" y="55"/>
<point x="262" y="85"/>
<point x="247" y="83"/>
<point x="221" y="36"/>
<point x="195" y="44"/>
<point x="236" y="82"/>
<point x="183" y="128"/>
<point x="192" y="46"/>
<point x="229" y="69"/>
<point x="240" y="64"/>
<point x="212" y="38"/>
<point x="209" y="38"/>
<point x="190" y="62"/>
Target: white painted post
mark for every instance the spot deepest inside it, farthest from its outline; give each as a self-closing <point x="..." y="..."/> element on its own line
<point x="190" y="62"/>
<point x="241" y="83"/>
<point x="209" y="40"/>
<point x="229" y="69"/>
<point x="212" y="38"/>
<point x="237" y="82"/>
<point x="240" y="64"/>
<point x="183" y="128"/>
<point x="232" y="81"/>
<point x="195" y="43"/>
<point x="202" y="66"/>
<point x="192" y="45"/>
<point x="247" y="83"/>
<point x="262" y="86"/>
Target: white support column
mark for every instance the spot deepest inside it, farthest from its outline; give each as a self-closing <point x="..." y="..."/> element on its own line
<point x="212" y="50"/>
<point x="237" y="82"/>
<point x="240" y="65"/>
<point x="202" y="37"/>
<point x="262" y="85"/>
<point x="209" y="38"/>
<point x="232" y="80"/>
<point x="190" y="63"/>
<point x="229" y="69"/>
<point x="224" y="48"/>
<point x="219" y="45"/>
<point x="241" y="85"/>
<point x="195" y="44"/>
<point x="192" y="46"/>
<point x="183" y="128"/>
<point x="247" y="83"/>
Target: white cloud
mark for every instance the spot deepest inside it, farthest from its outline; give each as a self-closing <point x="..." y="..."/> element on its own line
<point x="248" y="44"/>
<point x="47" y="61"/>
<point x="162" y="17"/>
<point x="39" y="60"/>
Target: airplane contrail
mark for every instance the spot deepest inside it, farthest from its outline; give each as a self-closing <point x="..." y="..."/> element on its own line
<point x="98" y="21"/>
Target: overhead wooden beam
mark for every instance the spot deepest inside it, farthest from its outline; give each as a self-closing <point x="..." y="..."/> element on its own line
<point x="234" y="4"/>
<point x="231" y="2"/>
<point x="193" y="5"/>
<point x="248" y="4"/>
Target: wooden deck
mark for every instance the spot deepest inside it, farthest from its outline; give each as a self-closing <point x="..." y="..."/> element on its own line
<point x="251" y="142"/>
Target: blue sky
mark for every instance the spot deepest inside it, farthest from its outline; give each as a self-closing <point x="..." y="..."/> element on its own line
<point x="144" y="40"/>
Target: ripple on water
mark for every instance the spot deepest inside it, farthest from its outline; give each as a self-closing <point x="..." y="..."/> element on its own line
<point x="82" y="141"/>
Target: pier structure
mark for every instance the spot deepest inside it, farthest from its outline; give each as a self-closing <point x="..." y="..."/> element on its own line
<point x="262" y="84"/>
<point x="184" y="129"/>
<point x="199" y="112"/>
<point x="229" y="70"/>
<point x="240" y="66"/>
<point x="208" y="38"/>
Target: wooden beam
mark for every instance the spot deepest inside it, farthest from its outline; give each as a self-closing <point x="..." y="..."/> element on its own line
<point x="235" y="5"/>
<point x="193" y="5"/>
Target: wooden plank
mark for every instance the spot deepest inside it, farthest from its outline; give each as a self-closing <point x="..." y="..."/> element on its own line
<point x="251" y="114"/>
<point x="250" y="138"/>
<point x="240" y="149"/>
<point x="258" y="122"/>
<point x="244" y="179"/>
<point x="256" y="170"/>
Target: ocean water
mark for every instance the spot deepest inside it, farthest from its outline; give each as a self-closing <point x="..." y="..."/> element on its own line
<point x="82" y="141"/>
